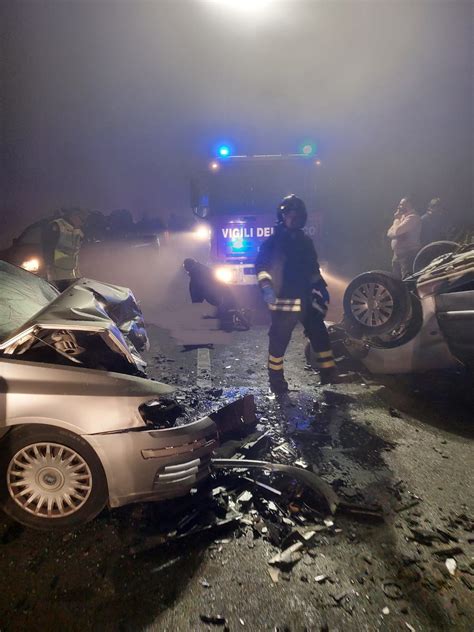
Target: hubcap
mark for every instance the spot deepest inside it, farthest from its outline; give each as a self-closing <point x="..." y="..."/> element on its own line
<point x="372" y="304"/>
<point x="49" y="480"/>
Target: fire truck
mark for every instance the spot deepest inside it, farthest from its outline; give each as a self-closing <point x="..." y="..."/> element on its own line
<point x="235" y="202"/>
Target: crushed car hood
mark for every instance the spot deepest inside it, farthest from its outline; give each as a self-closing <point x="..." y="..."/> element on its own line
<point x="70" y="324"/>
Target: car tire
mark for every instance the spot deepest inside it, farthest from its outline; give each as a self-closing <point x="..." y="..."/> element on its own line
<point x="431" y="251"/>
<point x="407" y="331"/>
<point x="50" y="478"/>
<point x="375" y="303"/>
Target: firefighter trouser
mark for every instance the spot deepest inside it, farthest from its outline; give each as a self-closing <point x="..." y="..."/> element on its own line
<point x="280" y="332"/>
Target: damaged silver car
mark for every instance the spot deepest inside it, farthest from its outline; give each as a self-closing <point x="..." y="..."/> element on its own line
<point x="91" y="324"/>
<point x="80" y="427"/>
<point x="421" y="323"/>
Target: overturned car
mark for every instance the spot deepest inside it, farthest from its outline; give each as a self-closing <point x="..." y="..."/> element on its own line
<point x="80" y="426"/>
<point x="421" y="323"/>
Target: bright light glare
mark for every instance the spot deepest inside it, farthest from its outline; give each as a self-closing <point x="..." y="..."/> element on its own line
<point x="244" y="5"/>
<point x="31" y="265"/>
<point x="223" y="274"/>
<point x="214" y="166"/>
<point x="224" y="151"/>
<point x="202" y="232"/>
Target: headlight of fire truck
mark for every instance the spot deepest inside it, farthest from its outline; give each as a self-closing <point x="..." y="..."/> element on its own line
<point x="202" y="232"/>
<point x="31" y="265"/>
<point x="223" y="274"/>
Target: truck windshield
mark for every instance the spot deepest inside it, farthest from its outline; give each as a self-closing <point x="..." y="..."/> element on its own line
<point x="256" y="187"/>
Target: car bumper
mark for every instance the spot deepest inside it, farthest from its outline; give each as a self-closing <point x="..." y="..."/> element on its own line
<point x="151" y="465"/>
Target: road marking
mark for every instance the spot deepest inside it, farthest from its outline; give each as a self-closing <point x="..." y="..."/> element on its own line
<point x="203" y="373"/>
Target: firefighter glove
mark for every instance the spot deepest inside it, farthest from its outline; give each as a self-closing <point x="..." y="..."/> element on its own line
<point x="320" y="300"/>
<point x="269" y="295"/>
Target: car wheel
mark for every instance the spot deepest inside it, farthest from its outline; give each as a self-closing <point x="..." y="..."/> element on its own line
<point x="50" y="478"/>
<point x="375" y="303"/>
<point x="429" y="253"/>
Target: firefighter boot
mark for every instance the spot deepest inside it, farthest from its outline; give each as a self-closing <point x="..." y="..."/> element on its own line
<point x="276" y="377"/>
<point x="329" y="376"/>
<point x="278" y="384"/>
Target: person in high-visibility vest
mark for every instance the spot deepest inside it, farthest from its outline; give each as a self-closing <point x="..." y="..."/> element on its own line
<point x="289" y="277"/>
<point x="61" y="246"/>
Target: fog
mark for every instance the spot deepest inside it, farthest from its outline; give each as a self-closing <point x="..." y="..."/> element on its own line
<point x="115" y="104"/>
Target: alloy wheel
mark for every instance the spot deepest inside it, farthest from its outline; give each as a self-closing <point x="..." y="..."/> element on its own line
<point x="372" y="304"/>
<point x="49" y="480"/>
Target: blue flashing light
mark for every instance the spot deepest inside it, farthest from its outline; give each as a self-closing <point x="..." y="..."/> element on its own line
<point x="224" y="151"/>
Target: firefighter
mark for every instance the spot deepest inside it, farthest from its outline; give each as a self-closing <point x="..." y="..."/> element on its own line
<point x="292" y="286"/>
<point x="62" y="241"/>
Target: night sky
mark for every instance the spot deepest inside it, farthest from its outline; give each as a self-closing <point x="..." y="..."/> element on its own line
<point x="113" y="104"/>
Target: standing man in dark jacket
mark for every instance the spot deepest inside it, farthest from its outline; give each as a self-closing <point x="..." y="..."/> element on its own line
<point x="435" y="225"/>
<point x="290" y="279"/>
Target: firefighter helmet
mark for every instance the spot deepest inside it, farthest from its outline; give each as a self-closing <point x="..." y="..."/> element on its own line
<point x="294" y="205"/>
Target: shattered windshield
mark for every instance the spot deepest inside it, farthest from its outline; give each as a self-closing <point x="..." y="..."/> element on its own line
<point x="22" y="295"/>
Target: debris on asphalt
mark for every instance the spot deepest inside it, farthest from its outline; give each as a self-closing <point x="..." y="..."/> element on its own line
<point x="310" y="479"/>
<point x="392" y="590"/>
<point x="288" y="557"/>
<point x="274" y="574"/>
<point x="405" y="506"/>
<point x="216" y="619"/>
<point x="451" y="565"/>
<point x="467" y="582"/>
<point x="449" y="551"/>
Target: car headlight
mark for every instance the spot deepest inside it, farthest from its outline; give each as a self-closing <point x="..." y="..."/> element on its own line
<point x="31" y="265"/>
<point x="202" y="232"/>
<point x="223" y="274"/>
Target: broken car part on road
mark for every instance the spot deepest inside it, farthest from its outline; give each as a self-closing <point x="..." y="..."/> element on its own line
<point x="304" y="476"/>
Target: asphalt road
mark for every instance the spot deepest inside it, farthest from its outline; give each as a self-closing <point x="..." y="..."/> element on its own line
<point x="393" y="442"/>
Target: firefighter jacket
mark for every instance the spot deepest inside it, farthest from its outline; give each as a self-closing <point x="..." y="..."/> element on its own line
<point x="64" y="259"/>
<point x="287" y="260"/>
